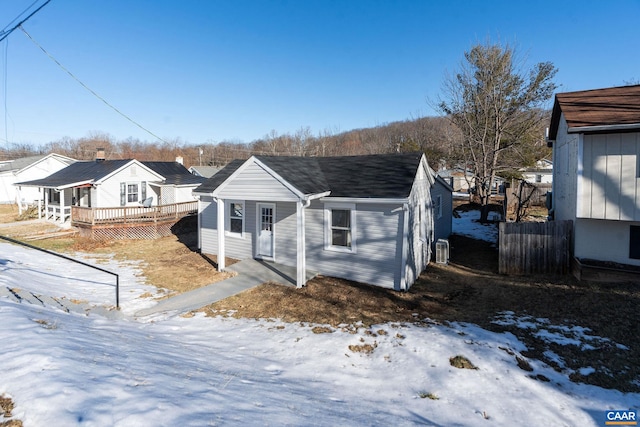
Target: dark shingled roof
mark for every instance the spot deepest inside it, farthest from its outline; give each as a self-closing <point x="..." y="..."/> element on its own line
<point x="373" y="176"/>
<point x="174" y="173"/>
<point x="597" y="107"/>
<point x="79" y="172"/>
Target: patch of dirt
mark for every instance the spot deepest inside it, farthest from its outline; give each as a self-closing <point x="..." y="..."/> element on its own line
<point x="461" y="362"/>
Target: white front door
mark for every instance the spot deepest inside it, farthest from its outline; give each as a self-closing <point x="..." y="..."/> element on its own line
<point x="266" y="233"/>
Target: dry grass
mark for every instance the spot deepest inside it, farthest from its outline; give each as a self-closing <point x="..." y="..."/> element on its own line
<point x="8" y="213"/>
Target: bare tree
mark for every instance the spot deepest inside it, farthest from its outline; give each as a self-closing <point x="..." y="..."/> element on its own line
<point x="496" y="106"/>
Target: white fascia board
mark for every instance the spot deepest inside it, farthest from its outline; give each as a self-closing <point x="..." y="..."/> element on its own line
<point x="427" y="170"/>
<point x="126" y="165"/>
<point x="603" y="128"/>
<point x="390" y="201"/>
<point x="75" y="184"/>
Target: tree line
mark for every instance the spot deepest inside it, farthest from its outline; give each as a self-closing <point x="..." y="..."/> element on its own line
<point x="435" y="136"/>
<point x="493" y="121"/>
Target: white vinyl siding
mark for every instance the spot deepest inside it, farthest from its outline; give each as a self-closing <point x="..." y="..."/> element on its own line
<point x="208" y="222"/>
<point x="255" y="183"/>
<point x="108" y="192"/>
<point x="379" y="254"/>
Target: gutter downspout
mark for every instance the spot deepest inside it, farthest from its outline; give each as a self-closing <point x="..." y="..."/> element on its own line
<point x="301" y="261"/>
<point x="405" y="246"/>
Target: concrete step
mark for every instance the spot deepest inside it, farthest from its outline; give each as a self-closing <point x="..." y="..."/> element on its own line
<point x="52" y="302"/>
<point x="64" y="304"/>
<point x="26" y="296"/>
<point x="8" y="293"/>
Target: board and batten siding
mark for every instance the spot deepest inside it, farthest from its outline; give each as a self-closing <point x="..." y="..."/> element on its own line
<point x="255" y="183"/>
<point x="609" y="180"/>
<point x="378" y="239"/>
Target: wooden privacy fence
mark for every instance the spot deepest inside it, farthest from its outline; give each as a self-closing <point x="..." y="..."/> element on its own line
<point x="535" y="247"/>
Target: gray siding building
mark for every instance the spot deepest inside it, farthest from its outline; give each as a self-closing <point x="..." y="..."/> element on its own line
<point x="362" y="218"/>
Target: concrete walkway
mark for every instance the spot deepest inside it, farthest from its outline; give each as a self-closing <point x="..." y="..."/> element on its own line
<point x="250" y="273"/>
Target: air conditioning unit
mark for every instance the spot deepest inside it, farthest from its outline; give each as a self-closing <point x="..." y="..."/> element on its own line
<point x="442" y="251"/>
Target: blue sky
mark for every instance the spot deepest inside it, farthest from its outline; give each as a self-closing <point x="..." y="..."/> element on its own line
<point x="211" y="71"/>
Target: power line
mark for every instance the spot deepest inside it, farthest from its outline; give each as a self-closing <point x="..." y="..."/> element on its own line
<point x="88" y="88"/>
<point x="5" y="34"/>
<point x="17" y="17"/>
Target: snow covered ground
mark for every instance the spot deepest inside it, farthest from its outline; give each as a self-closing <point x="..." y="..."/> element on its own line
<point x="69" y="369"/>
<point x="468" y="225"/>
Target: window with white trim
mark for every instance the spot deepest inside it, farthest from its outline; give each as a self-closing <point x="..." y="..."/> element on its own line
<point x="132" y="192"/>
<point x="340" y="227"/>
<point x="235" y="217"/>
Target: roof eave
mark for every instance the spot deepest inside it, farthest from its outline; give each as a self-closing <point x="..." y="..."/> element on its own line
<point x="381" y="200"/>
<point x="604" y="128"/>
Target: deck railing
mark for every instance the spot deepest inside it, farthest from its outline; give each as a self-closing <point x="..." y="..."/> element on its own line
<point x="131" y="214"/>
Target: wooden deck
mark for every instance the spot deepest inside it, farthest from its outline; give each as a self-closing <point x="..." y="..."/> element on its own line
<point x="81" y="216"/>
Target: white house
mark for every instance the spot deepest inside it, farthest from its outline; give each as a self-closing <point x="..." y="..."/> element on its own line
<point x="542" y="173"/>
<point x="27" y="169"/>
<point x="596" y="150"/>
<point x="112" y="184"/>
<point x="362" y="218"/>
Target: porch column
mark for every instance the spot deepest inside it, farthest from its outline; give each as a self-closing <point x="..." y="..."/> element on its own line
<point x="46" y="204"/>
<point x="39" y="202"/>
<point x="62" y="207"/>
<point x="220" y="227"/>
<point x="19" y="199"/>
<point x="301" y="263"/>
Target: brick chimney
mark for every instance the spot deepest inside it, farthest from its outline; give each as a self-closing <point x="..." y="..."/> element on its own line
<point x="100" y="155"/>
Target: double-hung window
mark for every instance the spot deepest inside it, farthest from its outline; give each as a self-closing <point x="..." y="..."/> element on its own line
<point x="132" y="192"/>
<point x="340" y="228"/>
<point x="235" y="215"/>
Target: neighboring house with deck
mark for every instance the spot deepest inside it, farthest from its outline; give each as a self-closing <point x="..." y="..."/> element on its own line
<point x="595" y="136"/>
<point x="27" y="169"/>
<point x="362" y="218"/>
<point x="115" y="192"/>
